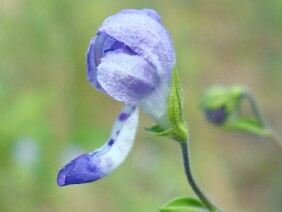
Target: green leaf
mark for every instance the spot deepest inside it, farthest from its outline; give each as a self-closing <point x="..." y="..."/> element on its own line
<point x="157" y="130"/>
<point x="184" y="204"/>
<point x="248" y="125"/>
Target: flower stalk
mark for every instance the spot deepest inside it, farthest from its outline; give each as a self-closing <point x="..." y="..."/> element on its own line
<point x="179" y="132"/>
<point x="191" y="180"/>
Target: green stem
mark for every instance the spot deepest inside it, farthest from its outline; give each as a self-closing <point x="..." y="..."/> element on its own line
<point x="255" y="108"/>
<point x="274" y="137"/>
<point x="191" y="181"/>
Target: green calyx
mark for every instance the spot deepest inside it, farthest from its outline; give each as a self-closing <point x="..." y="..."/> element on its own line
<point x="178" y="130"/>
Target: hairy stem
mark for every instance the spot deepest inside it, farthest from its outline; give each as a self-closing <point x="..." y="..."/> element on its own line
<point x="191" y="181"/>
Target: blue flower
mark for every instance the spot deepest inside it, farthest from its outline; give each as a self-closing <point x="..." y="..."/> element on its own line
<point x="130" y="59"/>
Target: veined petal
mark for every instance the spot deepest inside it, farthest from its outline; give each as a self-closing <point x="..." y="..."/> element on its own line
<point x="93" y="166"/>
<point x="144" y="35"/>
<point x="126" y="78"/>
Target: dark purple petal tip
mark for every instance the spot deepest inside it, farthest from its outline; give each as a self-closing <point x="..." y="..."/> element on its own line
<point x="79" y="170"/>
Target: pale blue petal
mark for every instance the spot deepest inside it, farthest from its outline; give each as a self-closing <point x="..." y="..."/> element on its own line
<point x="145" y="36"/>
<point x="142" y="74"/>
<point x="109" y="44"/>
<point x="155" y="105"/>
<point x="127" y="78"/>
<point x="93" y="166"/>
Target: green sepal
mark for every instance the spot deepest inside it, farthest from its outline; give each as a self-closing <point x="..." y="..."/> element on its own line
<point x="157" y="130"/>
<point x="178" y="130"/>
<point x="184" y="204"/>
<point x="175" y="115"/>
<point x="248" y="125"/>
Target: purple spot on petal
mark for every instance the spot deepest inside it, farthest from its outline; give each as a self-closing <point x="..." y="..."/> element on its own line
<point x="111" y="142"/>
<point x="123" y="116"/>
<point x="118" y="132"/>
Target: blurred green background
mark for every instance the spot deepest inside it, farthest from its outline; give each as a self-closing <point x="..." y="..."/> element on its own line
<point x="49" y="112"/>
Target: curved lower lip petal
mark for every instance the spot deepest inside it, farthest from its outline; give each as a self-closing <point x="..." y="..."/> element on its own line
<point x="93" y="166"/>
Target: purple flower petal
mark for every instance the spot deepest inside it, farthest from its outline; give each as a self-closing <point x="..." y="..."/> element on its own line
<point x="126" y="78"/>
<point x="93" y="166"/>
<point x="91" y="67"/>
<point x="134" y="56"/>
<point x="144" y="35"/>
<point x="110" y="44"/>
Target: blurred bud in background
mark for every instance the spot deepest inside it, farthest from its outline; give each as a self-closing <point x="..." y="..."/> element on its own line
<point x="220" y="104"/>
